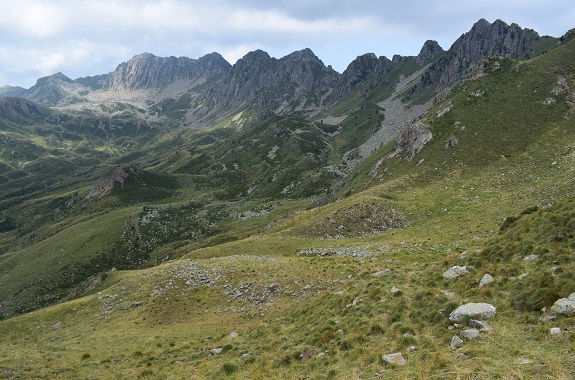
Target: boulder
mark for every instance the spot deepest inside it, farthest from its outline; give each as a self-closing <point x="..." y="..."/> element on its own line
<point x="454" y="272"/>
<point x="473" y="310"/>
<point x="485" y="280"/>
<point x="395" y="358"/>
<point x="564" y="306"/>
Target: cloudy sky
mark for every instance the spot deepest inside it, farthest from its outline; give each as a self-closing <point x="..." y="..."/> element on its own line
<point x="89" y="37"/>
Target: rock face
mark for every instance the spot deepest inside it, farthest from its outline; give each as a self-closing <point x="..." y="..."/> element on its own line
<point x="473" y="310"/>
<point x="564" y="306"/>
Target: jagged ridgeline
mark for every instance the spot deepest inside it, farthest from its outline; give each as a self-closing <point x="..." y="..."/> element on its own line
<point x="191" y="194"/>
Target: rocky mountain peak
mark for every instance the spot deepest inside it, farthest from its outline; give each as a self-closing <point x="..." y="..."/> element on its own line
<point x="430" y="50"/>
<point x="485" y="40"/>
<point x="147" y="70"/>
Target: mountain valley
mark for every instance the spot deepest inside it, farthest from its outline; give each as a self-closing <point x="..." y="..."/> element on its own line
<point x="188" y="218"/>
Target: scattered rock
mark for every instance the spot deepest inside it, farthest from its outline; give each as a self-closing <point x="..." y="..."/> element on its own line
<point x="381" y="273"/>
<point x="233" y="335"/>
<point x="273" y="287"/>
<point x="395" y="289"/>
<point x="448" y="294"/>
<point x="216" y="351"/>
<point x="456" y="342"/>
<point x="470" y="334"/>
<point x="531" y="257"/>
<point x="58" y="326"/>
<point x="547" y="318"/>
<point x="555" y="331"/>
<point x="395" y="358"/>
<point x="564" y="306"/>
<point x="454" y="272"/>
<point x="485" y="280"/>
<point x="136" y="304"/>
<point x="473" y="310"/>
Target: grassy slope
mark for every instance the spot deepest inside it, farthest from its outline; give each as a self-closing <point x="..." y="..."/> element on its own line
<point x="516" y="160"/>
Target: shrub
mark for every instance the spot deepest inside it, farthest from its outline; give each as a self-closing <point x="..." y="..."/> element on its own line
<point x="229" y="368"/>
<point x="534" y="300"/>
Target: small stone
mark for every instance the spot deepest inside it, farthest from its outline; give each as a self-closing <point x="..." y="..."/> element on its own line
<point x="233" y="335"/>
<point x="58" y="326"/>
<point x="273" y="287"/>
<point x="547" y="318"/>
<point x="216" y="351"/>
<point x="411" y="348"/>
<point x="531" y="257"/>
<point x="395" y="358"/>
<point x="555" y="331"/>
<point x="524" y="361"/>
<point x="485" y="280"/>
<point x="395" y="289"/>
<point x="456" y="342"/>
<point x="470" y="334"/>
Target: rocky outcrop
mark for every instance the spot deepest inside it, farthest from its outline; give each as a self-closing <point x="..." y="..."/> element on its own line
<point x="105" y="184"/>
<point x="412" y="140"/>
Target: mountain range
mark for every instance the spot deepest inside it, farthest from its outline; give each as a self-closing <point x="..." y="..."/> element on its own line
<point x="175" y="199"/>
